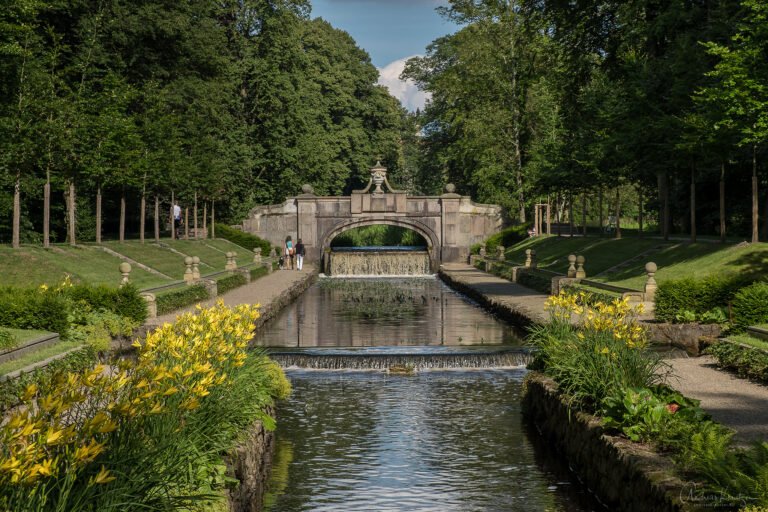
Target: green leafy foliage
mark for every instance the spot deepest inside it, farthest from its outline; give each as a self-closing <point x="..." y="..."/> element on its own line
<point x="25" y="308"/>
<point x="750" y="305"/>
<point x="507" y="237"/>
<point x="7" y="340"/>
<point x="258" y="272"/>
<point x="124" y="301"/>
<point x="179" y="298"/>
<point x="589" y="296"/>
<point x="745" y="361"/>
<point x="228" y="283"/>
<point x="539" y="281"/>
<point x="97" y="328"/>
<point x="378" y="235"/>
<point x="696" y="296"/>
<point x="243" y="239"/>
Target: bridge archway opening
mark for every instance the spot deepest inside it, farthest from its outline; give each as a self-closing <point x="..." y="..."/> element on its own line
<point x="379" y="235"/>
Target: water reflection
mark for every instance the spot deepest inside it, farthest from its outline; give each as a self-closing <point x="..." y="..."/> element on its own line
<point x="437" y="441"/>
<point x="325" y="317"/>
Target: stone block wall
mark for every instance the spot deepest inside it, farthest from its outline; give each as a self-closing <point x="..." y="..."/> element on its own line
<point x="625" y="476"/>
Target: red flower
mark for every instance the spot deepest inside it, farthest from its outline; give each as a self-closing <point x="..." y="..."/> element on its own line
<point x="672" y="408"/>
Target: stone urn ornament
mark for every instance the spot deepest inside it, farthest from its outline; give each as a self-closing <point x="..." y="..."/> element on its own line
<point x="377" y="179"/>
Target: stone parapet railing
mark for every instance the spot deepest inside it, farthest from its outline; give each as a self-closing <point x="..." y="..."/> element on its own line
<point x="625" y="476"/>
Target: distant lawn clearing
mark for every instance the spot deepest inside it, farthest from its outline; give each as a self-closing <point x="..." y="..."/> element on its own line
<point x="33" y="266"/>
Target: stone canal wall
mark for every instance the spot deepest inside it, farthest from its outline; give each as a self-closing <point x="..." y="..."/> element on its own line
<point x="626" y="476"/>
<point x="249" y="462"/>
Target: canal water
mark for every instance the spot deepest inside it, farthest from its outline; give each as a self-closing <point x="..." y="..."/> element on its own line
<point x="442" y="440"/>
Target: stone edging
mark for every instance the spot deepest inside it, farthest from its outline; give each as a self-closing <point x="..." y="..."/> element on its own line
<point x="517" y="317"/>
<point x="38" y="343"/>
<point x="268" y="311"/>
<point x="624" y="475"/>
<point x="249" y="462"/>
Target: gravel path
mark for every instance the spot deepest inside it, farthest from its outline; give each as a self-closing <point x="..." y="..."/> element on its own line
<point x="262" y="291"/>
<point x="737" y="403"/>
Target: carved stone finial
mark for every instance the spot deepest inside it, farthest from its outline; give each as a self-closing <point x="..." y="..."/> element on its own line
<point x="482" y="251"/>
<point x="450" y="188"/>
<point x="500" y="253"/>
<point x="188" y="274"/>
<point x="580" y="272"/>
<point x="231" y="263"/>
<point x="650" y="283"/>
<point x="307" y="189"/>
<point x="195" y="267"/>
<point x="125" y="272"/>
<point x="571" y="265"/>
<point x="534" y="264"/>
<point x="257" y="254"/>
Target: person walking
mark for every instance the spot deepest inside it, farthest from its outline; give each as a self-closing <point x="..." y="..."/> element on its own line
<point x="290" y="250"/>
<point x="300" y="252"/>
<point x="177" y="220"/>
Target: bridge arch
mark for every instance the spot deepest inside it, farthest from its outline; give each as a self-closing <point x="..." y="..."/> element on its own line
<point x="433" y="240"/>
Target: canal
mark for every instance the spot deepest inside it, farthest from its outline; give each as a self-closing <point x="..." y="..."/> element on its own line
<point x="444" y="437"/>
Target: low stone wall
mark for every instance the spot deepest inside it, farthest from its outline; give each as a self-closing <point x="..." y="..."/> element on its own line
<point x="249" y="462"/>
<point x="689" y="337"/>
<point x="625" y="476"/>
<point x="269" y="311"/>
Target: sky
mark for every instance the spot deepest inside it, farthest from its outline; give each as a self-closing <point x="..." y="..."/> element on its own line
<point x="391" y="31"/>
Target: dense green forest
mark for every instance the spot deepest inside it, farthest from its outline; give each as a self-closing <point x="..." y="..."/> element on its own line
<point x="655" y="106"/>
<point x="649" y="111"/>
<point x="118" y="102"/>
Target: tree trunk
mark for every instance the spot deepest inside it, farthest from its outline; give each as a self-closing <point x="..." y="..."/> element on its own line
<point x="195" y="212"/>
<point x="570" y="214"/>
<point x="765" y="219"/>
<point x="16" y="237"/>
<point x="600" y="208"/>
<point x="618" y="214"/>
<point x="558" y="217"/>
<point x="754" y="195"/>
<point x="213" y="218"/>
<point x="186" y="223"/>
<point x="157" y="219"/>
<point x="640" y="212"/>
<point x="722" y="202"/>
<point x="693" y="203"/>
<point x="584" y="213"/>
<point x="205" y="219"/>
<point x="98" y="214"/>
<point x="142" y="214"/>
<point x="71" y="206"/>
<point x="47" y="213"/>
<point x="663" y="185"/>
<point x="122" y="217"/>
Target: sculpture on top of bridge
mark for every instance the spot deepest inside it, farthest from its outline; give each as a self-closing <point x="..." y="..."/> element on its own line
<point x="378" y="177"/>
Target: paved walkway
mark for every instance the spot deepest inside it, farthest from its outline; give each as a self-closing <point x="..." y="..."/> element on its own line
<point x="737" y="403"/>
<point x="264" y="291"/>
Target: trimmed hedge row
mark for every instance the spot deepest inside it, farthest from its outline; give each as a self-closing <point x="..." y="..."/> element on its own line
<point x="30" y="308"/>
<point x="591" y="296"/>
<point x="698" y="296"/>
<point x="175" y="299"/>
<point x="535" y="281"/>
<point x="506" y="237"/>
<point x="77" y="361"/>
<point x="242" y="238"/>
<point x="750" y="306"/>
<point x="228" y="283"/>
<point x="258" y="272"/>
<point x="746" y="362"/>
<point x="124" y="301"/>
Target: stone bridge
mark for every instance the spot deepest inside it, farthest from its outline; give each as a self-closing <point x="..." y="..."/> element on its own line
<point x="450" y="223"/>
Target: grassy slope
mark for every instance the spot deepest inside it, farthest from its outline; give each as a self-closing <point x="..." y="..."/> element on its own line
<point x="37" y="355"/>
<point x="153" y="256"/>
<point x="33" y="266"/>
<point x="25" y="335"/>
<point x="674" y="259"/>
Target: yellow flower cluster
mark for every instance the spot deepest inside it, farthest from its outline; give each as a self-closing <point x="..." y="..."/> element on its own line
<point x="61" y="431"/>
<point x="617" y="317"/>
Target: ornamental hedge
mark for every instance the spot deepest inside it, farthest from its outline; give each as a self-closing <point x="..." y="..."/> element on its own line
<point x="179" y="298"/>
<point x="228" y="283"/>
<point x="750" y="306"/>
<point x="242" y="238"/>
<point x="675" y="297"/>
<point x="32" y="308"/>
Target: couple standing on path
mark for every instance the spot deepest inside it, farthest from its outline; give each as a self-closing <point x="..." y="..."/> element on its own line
<point x="297" y="250"/>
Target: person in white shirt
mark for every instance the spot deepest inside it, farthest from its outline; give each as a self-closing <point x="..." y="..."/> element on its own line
<point x="177" y="220"/>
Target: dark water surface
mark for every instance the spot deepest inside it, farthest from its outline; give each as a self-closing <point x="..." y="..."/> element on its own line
<point x="437" y="440"/>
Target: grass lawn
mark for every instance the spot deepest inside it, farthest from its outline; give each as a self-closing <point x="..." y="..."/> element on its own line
<point x="674" y="259"/>
<point x="153" y="256"/>
<point x="33" y="266"/>
<point x="25" y="335"/>
<point x="211" y="259"/>
<point x="244" y="256"/>
<point x="37" y="356"/>
<point x="749" y="340"/>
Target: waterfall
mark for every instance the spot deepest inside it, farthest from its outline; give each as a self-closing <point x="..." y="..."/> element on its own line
<point x="384" y="361"/>
<point x="379" y="263"/>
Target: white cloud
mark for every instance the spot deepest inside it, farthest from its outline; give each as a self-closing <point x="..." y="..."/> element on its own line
<point x="406" y="91"/>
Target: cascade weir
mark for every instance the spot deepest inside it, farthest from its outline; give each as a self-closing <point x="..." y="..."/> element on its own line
<point x="418" y="358"/>
<point x="378" y="261"/>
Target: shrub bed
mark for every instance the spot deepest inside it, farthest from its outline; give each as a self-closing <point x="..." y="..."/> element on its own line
<point x="124" y="301"/>
<point x="176" y="299"/>
<point x="535" y="280"/>
<point x="242" y="238"/>
<point x="601" y="367"/>
<point x="32" y="308"/>
<point x="749" y="362"/>
<point x="750" y="306"/>
<point x="147" y="435"/>
<point x="507" y="237"/>
<point x="228" y="283"/>
<point x="680" y="300"/>
<point x="259" y="272"/>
